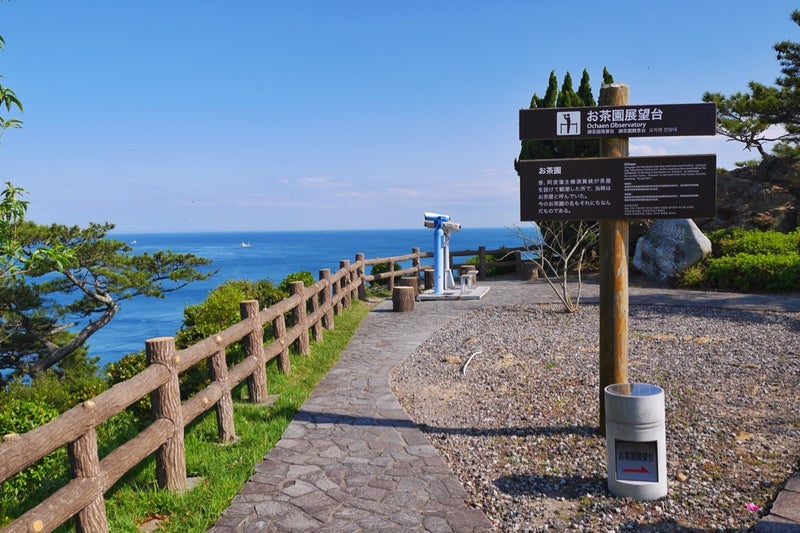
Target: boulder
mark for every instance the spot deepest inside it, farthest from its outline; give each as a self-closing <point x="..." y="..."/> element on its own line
<point x="763" y="196"/>
<point x="670" y="247"/>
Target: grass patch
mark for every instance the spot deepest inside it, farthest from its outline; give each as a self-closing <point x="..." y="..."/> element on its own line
<point x="225" y="469"/>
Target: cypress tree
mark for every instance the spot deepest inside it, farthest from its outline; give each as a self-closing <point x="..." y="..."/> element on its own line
<point x="585" y="91"/>
<point x="565" y="97"/>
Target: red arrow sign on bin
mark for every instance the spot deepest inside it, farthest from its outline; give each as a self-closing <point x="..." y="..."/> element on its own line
<point x="640" y="470"/>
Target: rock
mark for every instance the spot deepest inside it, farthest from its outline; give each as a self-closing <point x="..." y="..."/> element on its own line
<point x="765" y="196"/>
<point x="669" y="247"/>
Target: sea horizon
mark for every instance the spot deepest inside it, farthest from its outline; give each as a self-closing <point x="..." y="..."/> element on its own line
<point x="257" y="255"/>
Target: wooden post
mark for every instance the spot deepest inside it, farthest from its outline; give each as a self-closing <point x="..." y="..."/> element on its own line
<point x="316" y="327"/>
<point x="415" y="261"/>
<point x="302" y="344"/>
<point x="337" y="306"/>
<point x="403" y="299"/>
<point x="254" y="347"/>
<point x="279" y="331"/>
<point x="391" y="277"/>
<point x="85" y="462"/>
<point x="166" y="400"/>
<point x="482" y="262"/>
<point x="218" y="369"/>
<point x="362" y="285"/>
<point x="327" y="320"/>
<point x="613" y="272"/>
<point x="428" y="273"/>
<point x="409" y="282"/>
<point x="345" y="281"/>
<point x="351" y="281"/>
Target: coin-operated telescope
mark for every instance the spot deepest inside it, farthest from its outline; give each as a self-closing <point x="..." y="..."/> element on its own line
<point x="442" y="226"/>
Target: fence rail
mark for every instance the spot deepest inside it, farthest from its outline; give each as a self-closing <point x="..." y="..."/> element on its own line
<point x="311" y="309"/>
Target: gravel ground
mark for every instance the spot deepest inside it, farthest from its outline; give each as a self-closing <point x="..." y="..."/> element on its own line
<point x="519" y="425"/>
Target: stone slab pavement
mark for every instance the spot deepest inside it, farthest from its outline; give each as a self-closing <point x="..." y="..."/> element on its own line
<point x="352" y="460"/>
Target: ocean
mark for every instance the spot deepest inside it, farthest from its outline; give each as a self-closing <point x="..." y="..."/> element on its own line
<point x="256" y="256"/>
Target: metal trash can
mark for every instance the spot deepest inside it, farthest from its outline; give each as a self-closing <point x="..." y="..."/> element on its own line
<point x="636" y="452"/>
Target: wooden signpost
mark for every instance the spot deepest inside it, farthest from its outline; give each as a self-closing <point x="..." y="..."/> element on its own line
<point x="615" y="188"/>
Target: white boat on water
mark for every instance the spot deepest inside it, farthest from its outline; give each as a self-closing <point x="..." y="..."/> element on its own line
<point x="245" y="244"/>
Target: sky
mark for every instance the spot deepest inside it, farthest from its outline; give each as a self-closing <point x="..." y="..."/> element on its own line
<point x="254" y="115"/>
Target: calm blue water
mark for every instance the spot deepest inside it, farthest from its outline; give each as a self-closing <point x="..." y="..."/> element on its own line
<point x="271" y="255"/>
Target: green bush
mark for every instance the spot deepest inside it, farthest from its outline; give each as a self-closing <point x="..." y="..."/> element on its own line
<point x="59" y="388"/>
<point x="36" y="482"/>
<point x="732" y="241"/>
<point x="125" y="369"/>
<point x="493" y="258"/>
<point x="755" y="272"/>
<point x="748" y="260"/>
<point x="382" y="268"/>
<point x="304" y="276"/>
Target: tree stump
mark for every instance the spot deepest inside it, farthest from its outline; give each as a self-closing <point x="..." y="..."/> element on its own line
<point x="409" y="282"/>
<point x="530" y="271"/>
<point x="429" y="274"/>
<point x="403" y="299"/>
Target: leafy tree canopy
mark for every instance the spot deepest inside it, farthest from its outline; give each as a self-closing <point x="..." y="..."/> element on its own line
<point x="748" y="117"/>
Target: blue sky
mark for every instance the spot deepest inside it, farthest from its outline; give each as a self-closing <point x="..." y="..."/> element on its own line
<point x="258" y="115"/>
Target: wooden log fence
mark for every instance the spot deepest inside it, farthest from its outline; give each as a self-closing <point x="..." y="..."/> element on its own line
<point x="311" y="309"/>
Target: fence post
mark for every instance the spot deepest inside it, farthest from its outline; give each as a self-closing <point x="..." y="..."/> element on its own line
<point x="345" y="281"/>
<point x="351" y="281"/>
<point x="279" y="331"/>
<point x="302" y="344"/>
<point x="254" y="347"/>
<point x="166" y="400"/>
<point x="391" y="277"/>
<point x="362" y="285"/>
<point x="415" y="261"/>
<point x="337" y="289"/>
<point x="482" y="262"/>
<point x="316" y="327"/>
<point x="327" y="304"/>
<point x="218" y="370"/>
<point x="85" y="463"/>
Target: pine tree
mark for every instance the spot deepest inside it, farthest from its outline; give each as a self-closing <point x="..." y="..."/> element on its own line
<point x="748" y="117"/>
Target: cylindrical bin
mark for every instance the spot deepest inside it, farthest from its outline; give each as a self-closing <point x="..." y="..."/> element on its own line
<point x="636" y="451"/>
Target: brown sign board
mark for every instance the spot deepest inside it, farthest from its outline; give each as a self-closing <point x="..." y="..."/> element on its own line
<point x="618" y="188"/>
<point x="659" y="120"/>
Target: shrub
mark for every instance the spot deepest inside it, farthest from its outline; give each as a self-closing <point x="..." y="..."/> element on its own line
<point x="304" y="276"/>
<point x="218" y="311"/>
<point x="732" y="241"/>
<point x="124" y="369"/>
<point x="694" y="276"/>
<point x="382" y="268"/>
<point x="493" y="258"/>
<point x="755" y="272"/>
<point x="748" y="260"/>
<point x="37" y="481"/>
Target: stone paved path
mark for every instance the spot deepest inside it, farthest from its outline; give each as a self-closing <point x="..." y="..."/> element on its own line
<point x="352" y="460"/>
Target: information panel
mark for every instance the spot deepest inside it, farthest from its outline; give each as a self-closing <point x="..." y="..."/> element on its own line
<point x="660" y="120"/>
<point x="636" y="461"/>
<point x="680" y="186"/>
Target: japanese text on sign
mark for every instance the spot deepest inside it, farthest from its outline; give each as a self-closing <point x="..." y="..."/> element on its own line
<point x="637" y="187"/>
<point x="618" y="121"/>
